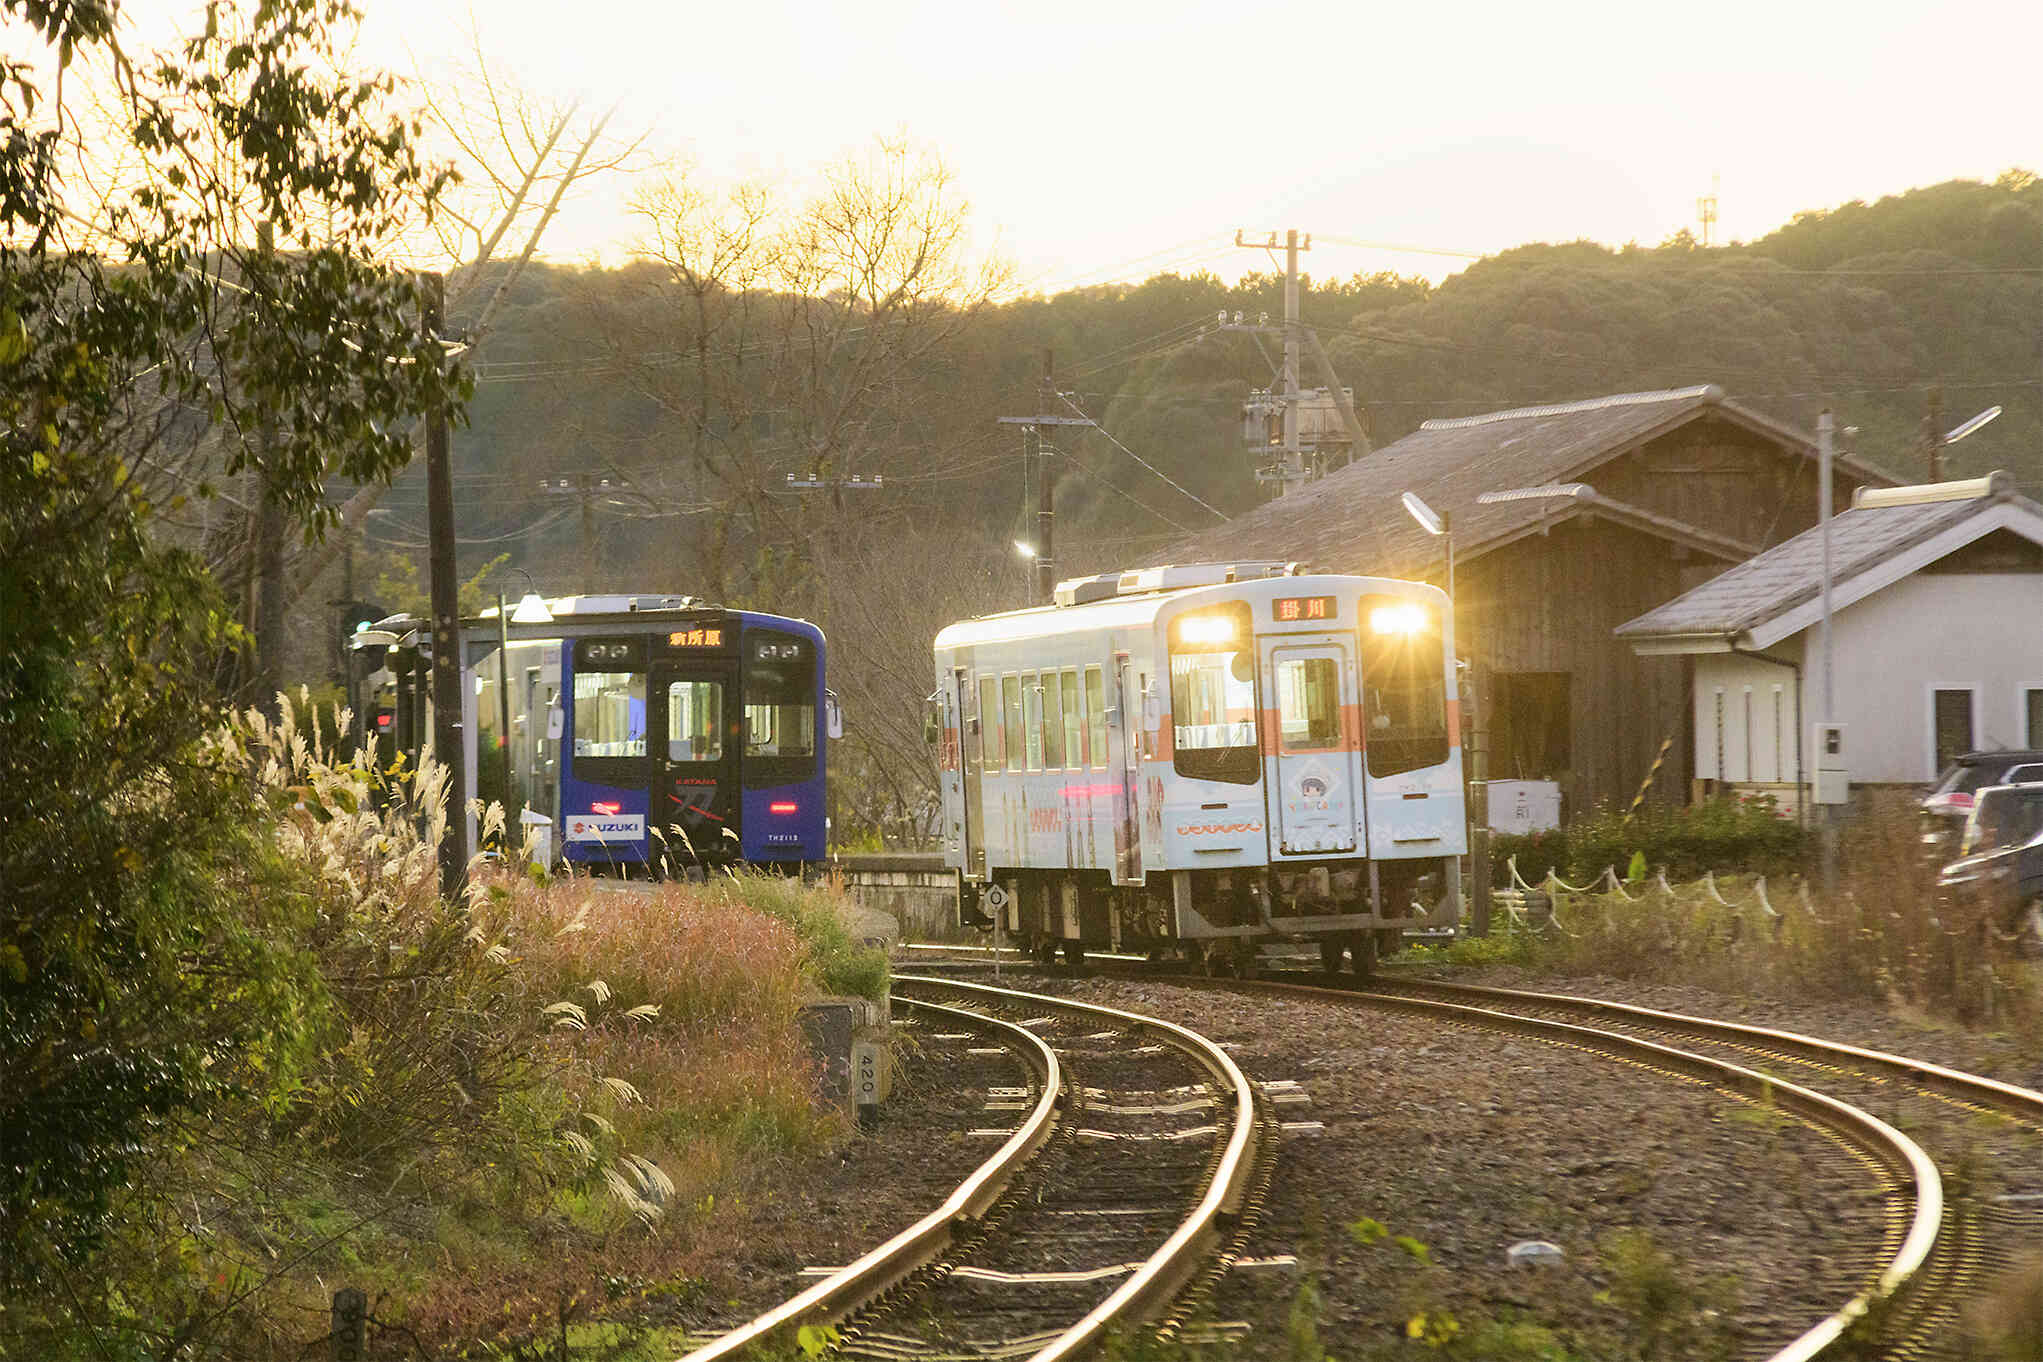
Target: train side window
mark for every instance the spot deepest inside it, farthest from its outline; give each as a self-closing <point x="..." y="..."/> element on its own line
<point x="1017" y="744"/>
<point x="610" y="714"/>
<point x="1032" y="718"/>
<point x="1404" y="685"/>
<point x="1074" y="721"/>
<point x="1096" y="718"/>
<point x="989" y="722"/>
<point x="1053" y="723"/>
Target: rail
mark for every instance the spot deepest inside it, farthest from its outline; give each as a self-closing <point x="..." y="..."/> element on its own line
<point x="879" y="1269"/>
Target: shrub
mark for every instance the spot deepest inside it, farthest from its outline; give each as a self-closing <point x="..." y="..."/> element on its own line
<point x="1748" y="834"/>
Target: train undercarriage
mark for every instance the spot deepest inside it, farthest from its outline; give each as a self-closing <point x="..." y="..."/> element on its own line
<point x="1215" y="920"/>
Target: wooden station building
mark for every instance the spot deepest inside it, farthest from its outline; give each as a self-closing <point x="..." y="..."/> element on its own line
<point x="1641" y="496"/>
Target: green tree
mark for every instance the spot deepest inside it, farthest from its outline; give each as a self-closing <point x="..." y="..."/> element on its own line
<point x="134" y="323"/>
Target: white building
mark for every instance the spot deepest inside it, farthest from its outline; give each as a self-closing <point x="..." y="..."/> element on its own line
<point x="1936" y="631"/>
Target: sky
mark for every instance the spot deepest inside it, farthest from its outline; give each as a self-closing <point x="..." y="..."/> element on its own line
<point x="1114" y="138"/>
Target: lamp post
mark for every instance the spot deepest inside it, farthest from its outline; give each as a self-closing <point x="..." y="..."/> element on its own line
<point x="1433" y="522"/>
<point x="1028" y="553"/>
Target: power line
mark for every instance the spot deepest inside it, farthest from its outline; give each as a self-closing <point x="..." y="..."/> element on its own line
<point x="1144" y="462"/>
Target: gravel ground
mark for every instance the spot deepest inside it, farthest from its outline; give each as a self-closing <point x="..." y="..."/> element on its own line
<point x="830" y="1211"/>
<point x="1471" y="1141"/>
<point x="1680" y="1209"/>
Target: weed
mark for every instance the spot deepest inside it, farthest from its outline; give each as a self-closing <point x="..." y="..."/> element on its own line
<point x="1667" y="1315"/>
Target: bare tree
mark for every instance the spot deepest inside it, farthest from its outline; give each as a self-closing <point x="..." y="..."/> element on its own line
<point x="796" y="342"/>
<point x="517" y="158"/>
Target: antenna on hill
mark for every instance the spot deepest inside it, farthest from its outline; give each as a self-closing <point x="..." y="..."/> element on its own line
<point x="1706" y="211"/>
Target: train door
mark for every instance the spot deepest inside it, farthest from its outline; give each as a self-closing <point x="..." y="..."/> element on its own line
<point x="965" y="752"/>
<point x="696" y="763"/>
<point x="1126" y="716"/>
<point x="607" y="763"/>
<point x="1316" y="793"/>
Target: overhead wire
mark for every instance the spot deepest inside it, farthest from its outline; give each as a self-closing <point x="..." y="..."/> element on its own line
<point x="1112" y="438"/>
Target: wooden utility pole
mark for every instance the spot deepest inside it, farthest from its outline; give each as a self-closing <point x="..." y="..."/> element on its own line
<point x="1291" y="472"/>
<point x="447" y="697"/>
<point x="1046" y="482"/>
<point x="1933" y="432"/>
<point x="1037" y="453"/>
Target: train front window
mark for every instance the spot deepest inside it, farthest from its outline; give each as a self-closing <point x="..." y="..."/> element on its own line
<point x="1404" y="685"/>
<point x="780" y="708"/>
<point x="695" y="721"/>
<point x="610" y="714"/>
<point x="1309" y="703"/>
<point x="1214" y="723"/>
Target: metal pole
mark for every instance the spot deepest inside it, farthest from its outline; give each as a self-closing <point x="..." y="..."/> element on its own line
<point x="1294" y="466"/>
<point x="1046" y="480"/>
<point x="447" y="698"/>
<point x="504" y="711"/>
<point x="1824" y="428"/>
<point x="1826" y="835"/>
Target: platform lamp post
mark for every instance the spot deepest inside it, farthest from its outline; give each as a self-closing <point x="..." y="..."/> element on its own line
<point x="531" y="609"/>
<point x="1028" y="552"/>
<point x="1435" y="523"/>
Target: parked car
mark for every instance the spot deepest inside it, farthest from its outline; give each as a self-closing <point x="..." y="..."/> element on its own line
<point x="1999" y="870"/>
<point x="1944" y="811"/>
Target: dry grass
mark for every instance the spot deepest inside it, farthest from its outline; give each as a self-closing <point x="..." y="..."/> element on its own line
<point x="1881" y="936"/>
<point x="507" y="1113"/>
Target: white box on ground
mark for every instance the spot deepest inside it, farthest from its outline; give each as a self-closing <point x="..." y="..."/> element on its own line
<point x="1520" y="806"/>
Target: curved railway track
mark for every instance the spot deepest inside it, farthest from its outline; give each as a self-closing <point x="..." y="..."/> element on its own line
<point x="1934" y="1251"/>
<point x="1976" y="1237"/>
<point x="1118" y="1196"/>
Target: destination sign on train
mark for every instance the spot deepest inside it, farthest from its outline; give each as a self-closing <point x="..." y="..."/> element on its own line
<point x="696" y="638"/>
<point x="1287" y="609"/>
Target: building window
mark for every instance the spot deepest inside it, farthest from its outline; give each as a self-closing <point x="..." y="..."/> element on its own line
<point x="1952" y="710"/>
<point x="2033" y="706"/>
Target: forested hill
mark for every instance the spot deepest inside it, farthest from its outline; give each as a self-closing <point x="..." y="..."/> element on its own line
<point x="1860" y="308"/>
<point x="698" y="396"/>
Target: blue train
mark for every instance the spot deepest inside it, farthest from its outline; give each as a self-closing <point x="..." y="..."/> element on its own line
<point x="655" y="733"/>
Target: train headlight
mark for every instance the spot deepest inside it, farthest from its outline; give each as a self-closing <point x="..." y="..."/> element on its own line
<point x="1206" y="629"/>
<point x="1406" y="617"/>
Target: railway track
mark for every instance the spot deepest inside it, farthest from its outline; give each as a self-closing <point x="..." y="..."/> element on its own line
<point x="1126" y="1179"/>
<point x="1936" y="1250"/>
<point x="1995" y="1213"/>
<point x="1939" y="1250"/>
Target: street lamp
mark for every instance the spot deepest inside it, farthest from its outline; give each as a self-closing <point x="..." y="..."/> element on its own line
<point x="1432" y="522"/>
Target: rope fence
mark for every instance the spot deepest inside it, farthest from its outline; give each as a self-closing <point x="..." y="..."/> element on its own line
<point x="1945" y="945"/>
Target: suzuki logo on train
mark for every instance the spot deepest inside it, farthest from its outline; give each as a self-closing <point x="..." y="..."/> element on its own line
<point x="626" y="828"/>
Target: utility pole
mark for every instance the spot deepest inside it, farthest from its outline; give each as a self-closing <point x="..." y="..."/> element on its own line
<point x="1826" y="832"/>
<point x="447" y="697"/>
<point x="1046" y="482"/>
<point x="585" y="486"/>
<point x="1933" y="432"/>
<point x="1292" y="468"/>
<point x="1290" y="472"/>
<point x="269" y="546"/>
<point x="1037" y="453"/>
